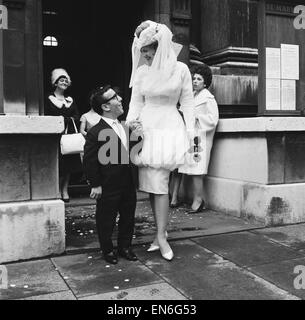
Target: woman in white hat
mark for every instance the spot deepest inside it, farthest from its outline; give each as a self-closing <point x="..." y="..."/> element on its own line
<point x="159" y="83"/>
<point x="59" y="104"/>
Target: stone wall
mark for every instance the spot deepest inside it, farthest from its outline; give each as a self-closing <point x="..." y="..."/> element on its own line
<point x="257" y="170"/>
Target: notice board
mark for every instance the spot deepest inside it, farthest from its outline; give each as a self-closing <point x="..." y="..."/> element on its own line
<point x="281" y="45"/>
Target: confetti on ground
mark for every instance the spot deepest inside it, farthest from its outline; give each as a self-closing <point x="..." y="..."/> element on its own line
<point x="107" y="266"/>
<point x="117" y="288"/>
<point x="26" y="287"/>
<point x="66" y="278"/>
<point x="90" y="257"/>
<point x="127" y="280"/>
<point x="13" y="286"/>
<point x="120" y="270"/>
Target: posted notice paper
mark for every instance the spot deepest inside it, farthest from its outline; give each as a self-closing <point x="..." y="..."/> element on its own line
<point x="273" y="63"/>
<point x="273" y="94"/>
<point x="290" y="62"/>
<point x="288" y="94"/>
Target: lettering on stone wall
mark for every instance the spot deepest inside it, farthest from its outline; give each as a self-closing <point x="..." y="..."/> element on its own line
<point x="299" y="21"/>
<point x="279" y="8"/>
<point x="3" y="278"/>
<point x="3" y="17"/>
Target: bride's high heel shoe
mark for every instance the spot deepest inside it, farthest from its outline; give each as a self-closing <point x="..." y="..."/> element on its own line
<point x="169" y="255"/>
<point x="155" y="247"/>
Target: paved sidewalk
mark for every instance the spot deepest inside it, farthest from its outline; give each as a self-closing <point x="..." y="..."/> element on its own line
<point x="82" y="234"/>
<point x="228" y="260"/>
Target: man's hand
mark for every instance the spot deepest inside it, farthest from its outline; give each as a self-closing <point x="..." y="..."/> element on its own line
<point x="96" y="193"/>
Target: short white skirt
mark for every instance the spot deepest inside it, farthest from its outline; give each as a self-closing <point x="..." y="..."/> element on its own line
<point x="155" y="181"/>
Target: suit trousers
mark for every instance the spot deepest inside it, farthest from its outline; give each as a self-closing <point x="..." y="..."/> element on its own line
<point x="121" y="200"/>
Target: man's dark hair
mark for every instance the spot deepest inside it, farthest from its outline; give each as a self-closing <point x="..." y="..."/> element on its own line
<point x="97" y="99"/>
<point x="206" y="73"/>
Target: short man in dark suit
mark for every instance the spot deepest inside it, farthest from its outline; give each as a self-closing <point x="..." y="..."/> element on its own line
<point x="111" y="174"/>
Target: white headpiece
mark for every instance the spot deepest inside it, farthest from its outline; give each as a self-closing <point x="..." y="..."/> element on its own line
<point x="166" y="55"/>
<point x="58" y="73"/>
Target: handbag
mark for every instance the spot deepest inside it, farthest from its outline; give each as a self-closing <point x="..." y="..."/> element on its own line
<point x="72" y="143"/>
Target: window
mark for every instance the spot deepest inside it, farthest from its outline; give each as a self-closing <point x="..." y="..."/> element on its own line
<point x="50" y="42"/>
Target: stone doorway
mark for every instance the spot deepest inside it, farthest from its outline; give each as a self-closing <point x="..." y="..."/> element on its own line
<point x="92" y="41"/>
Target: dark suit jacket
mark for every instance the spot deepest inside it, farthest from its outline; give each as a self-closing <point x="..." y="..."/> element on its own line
<point x="106" y="161"/>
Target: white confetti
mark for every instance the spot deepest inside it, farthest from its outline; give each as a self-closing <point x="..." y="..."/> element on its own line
<point x="127" y="280"/>
<point x="107" y="267"/>
<point x="66" y="278"/>
<point x="13" y="286"/>
<point x="26" y="287"/>
<point x="90" y="257"/>
<point x="120" y="270"/>
<point x="117" y="288"/>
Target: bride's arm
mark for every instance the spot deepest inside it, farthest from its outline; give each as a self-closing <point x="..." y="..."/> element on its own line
<point x="136" y="102"/>
<point x="187" y="99"/>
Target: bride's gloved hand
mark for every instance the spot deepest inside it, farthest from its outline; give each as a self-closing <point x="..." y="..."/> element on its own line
<point x="191" y="134"/>
<point x="136" y="127"/>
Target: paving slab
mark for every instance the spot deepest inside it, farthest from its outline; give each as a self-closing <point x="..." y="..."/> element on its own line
<point x="161" y="291"/>
<point x="247" y="249"/>
<point x="188" y="256"/>
<point x="82" y="235"/>
<point x="282" y="274"/>
<point x="58" y="296"/>
<point x="34" y="278"/>
<point x="201" y="275"/>
<point x="292" y="236"/>
<point x="89" y="275"/>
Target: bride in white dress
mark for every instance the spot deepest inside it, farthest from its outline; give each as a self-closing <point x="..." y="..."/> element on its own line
<point x="158" y="86"/>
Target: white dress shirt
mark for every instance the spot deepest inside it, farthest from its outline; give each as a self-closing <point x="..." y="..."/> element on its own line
<point x="119" y="130"/>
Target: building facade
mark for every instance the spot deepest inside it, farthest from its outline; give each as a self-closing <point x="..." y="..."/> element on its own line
<point x="254" y="168"/>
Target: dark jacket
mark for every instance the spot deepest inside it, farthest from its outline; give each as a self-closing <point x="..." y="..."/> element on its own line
<point x="106" y="161"/>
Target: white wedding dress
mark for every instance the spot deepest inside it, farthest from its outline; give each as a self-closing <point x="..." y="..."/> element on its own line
<point x="166" y="140"/>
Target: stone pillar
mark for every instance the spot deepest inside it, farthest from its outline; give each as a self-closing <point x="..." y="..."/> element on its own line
<point x="176" y="14"/>
<point x="181" y="18"/>
<point x="32" y="216"/>
<point x="13" y="98"/>
<point x="229" y="43"/>
<point x="229" y="37"/>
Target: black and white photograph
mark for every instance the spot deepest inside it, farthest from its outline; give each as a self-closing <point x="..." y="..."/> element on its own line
<point x="152" y="150"/>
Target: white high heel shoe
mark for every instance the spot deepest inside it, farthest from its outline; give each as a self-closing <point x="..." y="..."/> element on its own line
<point x="155" y="247"/>
<point x="169" y="256"/>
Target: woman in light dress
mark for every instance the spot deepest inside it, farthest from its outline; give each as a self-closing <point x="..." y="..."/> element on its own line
<point x="207" y="117"/>
<point x="158" y="86"/>
<point x="88" y="121"/>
